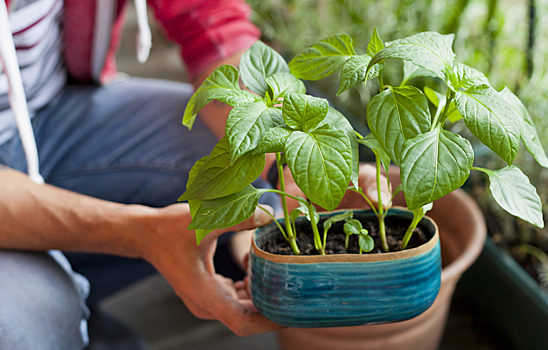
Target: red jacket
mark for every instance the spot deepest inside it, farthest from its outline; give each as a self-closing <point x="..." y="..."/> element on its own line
<point x="206" y="30"/>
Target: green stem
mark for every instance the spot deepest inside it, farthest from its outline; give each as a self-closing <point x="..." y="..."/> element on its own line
<point x="440" y="117"/>
<point x="534" y="251"/>
<point x="381" y="83"/>
<point x="316" y="233"/>
<point x="410" y="229"/>
<point x="275" y="221"/>
<point x="382" y="230"/>
<point x="346" y="243"/>
<point x="290" y="234"/>
<point x="287" y="195"/>
<point x="366" y="199"/>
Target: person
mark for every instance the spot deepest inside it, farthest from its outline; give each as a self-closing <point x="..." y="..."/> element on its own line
<point x="115" y="157"/>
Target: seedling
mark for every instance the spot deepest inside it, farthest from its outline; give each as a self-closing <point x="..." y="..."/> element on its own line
<point x="365" y="241"/>
<point x="320" y="147"/>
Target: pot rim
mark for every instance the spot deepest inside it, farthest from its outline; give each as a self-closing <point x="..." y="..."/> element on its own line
<point x="349" y="258"/>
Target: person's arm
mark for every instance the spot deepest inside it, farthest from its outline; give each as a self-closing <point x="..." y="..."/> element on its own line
<point x="43" y="217"/>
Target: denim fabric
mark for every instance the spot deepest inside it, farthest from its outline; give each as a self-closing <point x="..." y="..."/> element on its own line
<point x="124" y="143"/>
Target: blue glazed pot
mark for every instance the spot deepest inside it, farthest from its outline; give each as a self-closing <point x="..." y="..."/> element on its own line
<point x="345" y="289"/>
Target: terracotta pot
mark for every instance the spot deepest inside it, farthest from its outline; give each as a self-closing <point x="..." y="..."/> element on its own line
<point x="462" y="235"/>
<point x="329" y="290"/>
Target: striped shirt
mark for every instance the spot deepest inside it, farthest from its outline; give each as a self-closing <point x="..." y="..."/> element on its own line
<point x="36" y="28"/>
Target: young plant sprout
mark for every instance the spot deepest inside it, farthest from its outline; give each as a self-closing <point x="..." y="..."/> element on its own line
<point x="320" y="147"/>
<point x="365" y="241"/>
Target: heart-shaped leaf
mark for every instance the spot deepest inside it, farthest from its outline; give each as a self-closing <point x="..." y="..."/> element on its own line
<point x="218" y="178"/>
<point x="529" y="134"/>
<point x="321" y="164"/>
<point x="465" y="78"/>
<point x="194" y="204"/>
<point x="352" y="227"/>
<point x="257" y="64"/>
<point x="304" y="112"/>
<point x="491" y="119"/>
<point x="429" y="50"/>
<point x="281" y="84"/>
<point x="366" y="242"/>
<point x="227" y="211"/>
<point x="273" y="140"/>
<point x="336" y="218"/>
<point x="515" y="194"/>
<point x="247" y="124"/>
<point x="353" y="72"/>
<point x="396" y="115"/>
<point x="221" y="85"/>
<point x="322" y="58"/>
<point x="337" y="120"/>
<point x="433" y="165"/>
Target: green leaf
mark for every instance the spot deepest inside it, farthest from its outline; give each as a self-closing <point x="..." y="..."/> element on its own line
<point x="227" y="211"/>
<point x="321" y="164"/>
<point x="433" y="165"/>
<point x="428" y="50"/>
<point x="352" y="227"/>
<point x="436" y="98"/>
<point x="247" y="124"/>
<point x="281" y="84"/>
<point x="353" y="72"/>
<point x="515" y="194"/>
<point x="491" y="119"/>
<point x="336" y="218"/>
<point x="375" y="44"/>
<point x="529" y="134"/>
<point x="411" y="71"/>
<point x="465" y="77"/>
<point x="221" y="85"/>
<point x="370" y="142"/>
<point x="257" y="64"/>
<point x="218" y="178"/>
<point x="304" y="210"/>
<point x="322" y="58"/>
<point x="396" y="115"/>
<point x="194" y="204"/>
<point x="366" y="242"/>
<point x="339" y="122"/>
<point x="304" y="112"/>
<point x="273" y="141"/>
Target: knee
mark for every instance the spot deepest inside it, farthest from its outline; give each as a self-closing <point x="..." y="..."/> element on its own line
<point x="41" y="308"/>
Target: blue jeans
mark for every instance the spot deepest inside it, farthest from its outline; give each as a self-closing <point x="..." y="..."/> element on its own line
<point x="124" y="143"/>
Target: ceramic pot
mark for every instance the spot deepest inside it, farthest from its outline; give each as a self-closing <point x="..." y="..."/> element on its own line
<point x="346" y="289"/>
<point x="462" y="236"/>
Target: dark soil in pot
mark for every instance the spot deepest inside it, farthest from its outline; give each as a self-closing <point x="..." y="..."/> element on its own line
<point x="395" y="230"/>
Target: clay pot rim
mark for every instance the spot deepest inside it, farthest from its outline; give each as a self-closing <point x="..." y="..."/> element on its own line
<point x="349" y="258"/>
<point x="475" y="245"/>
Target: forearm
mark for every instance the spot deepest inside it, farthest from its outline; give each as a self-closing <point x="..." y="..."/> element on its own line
<point x="42" y="217"/>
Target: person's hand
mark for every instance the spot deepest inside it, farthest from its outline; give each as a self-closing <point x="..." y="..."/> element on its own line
<point x="367" y="181"/>
<point x="189" y="270"/>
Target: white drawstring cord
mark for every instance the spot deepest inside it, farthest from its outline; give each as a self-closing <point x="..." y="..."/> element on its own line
<point x="16" y="96"/>
<point x="144" y="36"/>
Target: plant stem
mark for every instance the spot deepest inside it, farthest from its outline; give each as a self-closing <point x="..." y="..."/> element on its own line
<point x="440" y="117"/>
<point x="316" y="233"/>
<point x="346" y="243"/>
<point x="366" y="199"/>
<point x="290" y="234"/>
<point x="381" y="83"/>
<point x="410" y="229"/>
<point x="382" y="230"/>
<point x="275" y="221"/>
<point x="287" y="195"/>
